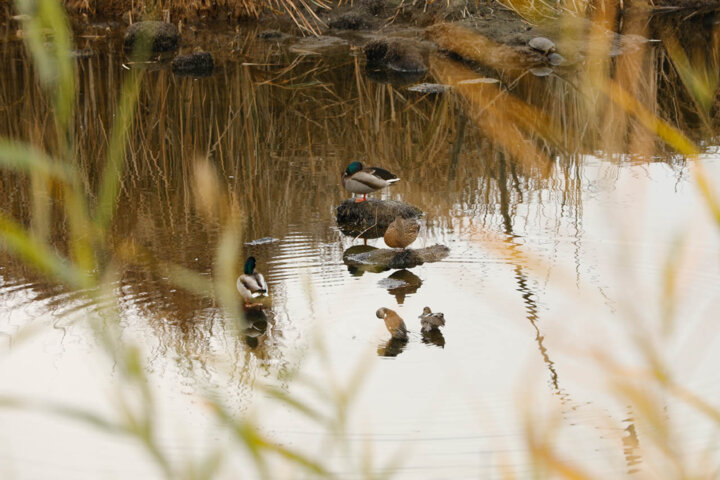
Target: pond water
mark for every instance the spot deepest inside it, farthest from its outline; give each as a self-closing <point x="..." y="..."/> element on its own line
<point x="580" y="248"/>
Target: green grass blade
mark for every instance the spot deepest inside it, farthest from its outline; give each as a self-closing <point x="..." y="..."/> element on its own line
<point x="47" y="19"/>
<point x="112" y="175"/>
<point x="26" y="158"/>
<point x="17" y="241"/>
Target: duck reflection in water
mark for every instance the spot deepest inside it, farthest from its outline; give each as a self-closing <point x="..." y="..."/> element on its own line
<point x="401" y="283"/>
<point x="433" y="337"/>
<point x="392" y="348"/>
<point x="256" y="331"/>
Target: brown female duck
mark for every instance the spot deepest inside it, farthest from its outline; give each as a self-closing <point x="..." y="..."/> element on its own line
<point x="393" y="322"/>
<point x="401" y="232"/>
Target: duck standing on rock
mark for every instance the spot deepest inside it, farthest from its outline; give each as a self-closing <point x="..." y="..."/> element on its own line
<point x="430" y="321"/>
<point x="393" y="322"/>
<point x="356" y="179"/>
<point x="401" y="232"/>
<point x="251" y="284"/>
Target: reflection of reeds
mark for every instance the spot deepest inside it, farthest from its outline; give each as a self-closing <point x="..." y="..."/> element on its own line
<point x="252" y="120"/>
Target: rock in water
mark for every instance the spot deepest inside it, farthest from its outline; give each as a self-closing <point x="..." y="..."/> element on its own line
<point x="146" y="38"/>
<point x="396" y="54"/>
<point x="379" y="259"/>
<point x="370" y="219"/>
<point x="198" y="64"/>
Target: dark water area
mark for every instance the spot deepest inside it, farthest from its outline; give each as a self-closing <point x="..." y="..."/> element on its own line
<point x="564" y="214"/>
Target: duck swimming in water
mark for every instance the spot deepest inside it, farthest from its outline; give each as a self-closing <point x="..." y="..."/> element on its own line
<point x="393" y="322"/>
<point x="430" y="321"/>
<point x="356" y="179"/>
<point x="251" y="284"/>
<point x="401" y="232"/>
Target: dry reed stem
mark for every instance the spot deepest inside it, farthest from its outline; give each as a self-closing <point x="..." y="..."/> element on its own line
<point x="505" y="119"/>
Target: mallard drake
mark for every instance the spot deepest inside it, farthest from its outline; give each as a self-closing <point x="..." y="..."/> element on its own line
<point x="393" y="322"/>
<point x="431" y="321"/>
<point x="356" y="179"/>
<point x="401" y="232"/>
<point x="251" y="284"/>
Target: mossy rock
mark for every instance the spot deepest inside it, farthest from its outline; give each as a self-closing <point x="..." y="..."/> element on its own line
<point x="151" y="37"/>
<point x="370" y="219"/>
<point x="199" y="64"/>
<point x="379" y="259"/>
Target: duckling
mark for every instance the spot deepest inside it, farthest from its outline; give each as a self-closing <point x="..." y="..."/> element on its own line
<point x="356" y="179"/>
<point x="393" y="322"/>
<point x="251" y="284"/>
<point x="431" y="321"/>
<point x="401" y="232"/>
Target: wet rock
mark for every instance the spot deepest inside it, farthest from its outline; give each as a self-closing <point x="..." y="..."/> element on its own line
<point x="541" y="71"/>
<point x="199" y="64"/>
<point x="262" y="241"/>
<point x="396" y="54"/>
<point x="151" y="37"/>
<point x="542" y="44"/>
<point x="479" y="80"/>
<point x="429" y="88"/>
<point x="356" y="269"/>
<point x="370" y="219"/>
<point x="556" y="59"/>
<point x="385" y="258"/>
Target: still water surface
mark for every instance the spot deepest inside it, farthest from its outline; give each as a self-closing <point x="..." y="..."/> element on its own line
<point x="555" y="275"/>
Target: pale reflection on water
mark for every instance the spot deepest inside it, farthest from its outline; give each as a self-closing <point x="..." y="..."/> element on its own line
<point x="548" y="267"/>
